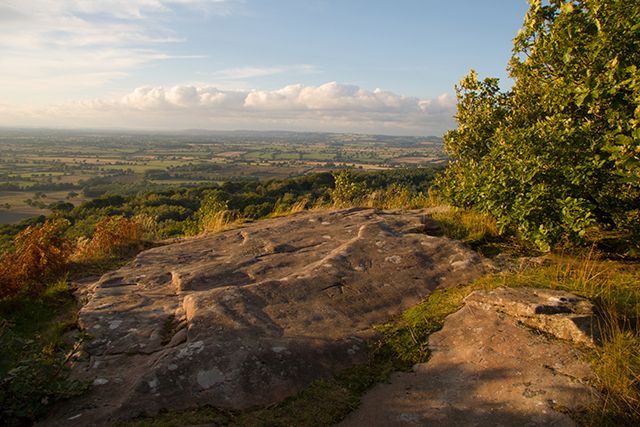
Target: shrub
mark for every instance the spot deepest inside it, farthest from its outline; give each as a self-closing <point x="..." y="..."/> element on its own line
<point x="41" y="253"/>
<point x="257" y="211"/>
<point x="347" y="191"/>
<point x="214" y="214"/>
<point x="38" y="380"/>
<point x="290" y="204"/>
<point x="397" y="196"/>
<point x="377" y="192"/>
<point x="113" y="236"/>
<point x="36" y="353"/>
<point x="217" y="221"/>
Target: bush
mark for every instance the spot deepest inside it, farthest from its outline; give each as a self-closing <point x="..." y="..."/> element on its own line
<point x="397" y="196"/>
<point x="39" y="379"/>
<point x="213" y="215"/>
<point x="41" y="254"/>
<point x="113" y="236"/>
<point x="37" y="352"/>
<point x="347" y="191"/>
<point x="561" y="150"/>
<point x="257" y="211"/>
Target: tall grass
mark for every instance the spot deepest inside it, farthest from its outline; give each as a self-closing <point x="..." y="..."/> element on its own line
<point x="466" y="225"/>
<point x="283" y="208"/>
<point x="349" y="192"/>
<point x="218" y="221"/>
<point x="397" y="197"/>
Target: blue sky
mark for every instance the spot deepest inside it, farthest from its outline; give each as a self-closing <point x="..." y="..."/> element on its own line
<point x="324" y="65"/>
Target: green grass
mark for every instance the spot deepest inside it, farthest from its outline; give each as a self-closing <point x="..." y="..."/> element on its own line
<point x="407" y="338"/>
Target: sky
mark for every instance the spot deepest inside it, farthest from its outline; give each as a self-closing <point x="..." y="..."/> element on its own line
<point x="366" y="66"/>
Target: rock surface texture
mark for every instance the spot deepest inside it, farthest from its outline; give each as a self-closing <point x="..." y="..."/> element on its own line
<point x="250" y="316"/>
<point x="488" y="369"/>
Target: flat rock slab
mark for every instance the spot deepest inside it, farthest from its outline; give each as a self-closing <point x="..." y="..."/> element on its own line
<point x="487" y="369"/>
<point x="247" y="317"/>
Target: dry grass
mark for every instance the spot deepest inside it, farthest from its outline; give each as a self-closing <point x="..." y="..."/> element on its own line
<point x="113" y="236"/>
<point x="466" y="225"/>
<point x="397" y="197"/>
<point x="617" y="367"/>
<point x="41" y="253"/>
<point x="218" y="221"/>
<point x="284" y="209"/>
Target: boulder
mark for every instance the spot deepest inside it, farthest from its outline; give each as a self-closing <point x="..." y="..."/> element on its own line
<point x="488" y="369"/>
<point x="554" y="312"/>
<point x="249" y="316"/>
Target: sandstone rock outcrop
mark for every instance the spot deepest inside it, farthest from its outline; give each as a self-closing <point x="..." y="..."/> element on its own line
<point x="487" y="369"/>
<point x="249" y="316"/>
<point x="558" y="313"/>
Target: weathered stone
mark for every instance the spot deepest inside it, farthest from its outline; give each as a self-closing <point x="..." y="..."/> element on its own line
<point x="487" y="370"/>
<point x="558" y="313"/>
<point x="268" y="308"/>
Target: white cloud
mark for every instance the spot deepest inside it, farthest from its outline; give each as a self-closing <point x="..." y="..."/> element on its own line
<point x="328" y="107"/>
<point x="53" y="47"/>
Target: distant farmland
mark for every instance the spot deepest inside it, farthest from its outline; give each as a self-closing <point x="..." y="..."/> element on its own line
<point x="42" y="167"/>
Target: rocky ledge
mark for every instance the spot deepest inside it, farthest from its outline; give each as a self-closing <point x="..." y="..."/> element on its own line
<point x="492" y="366"/>
<point x="249" y="316"/>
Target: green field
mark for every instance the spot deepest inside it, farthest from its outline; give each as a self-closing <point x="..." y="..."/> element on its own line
<point x="54" y="163"/>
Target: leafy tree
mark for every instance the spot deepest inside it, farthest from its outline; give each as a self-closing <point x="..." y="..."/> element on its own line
<point x="61" y="206"/>
<point x="561" y="150"/>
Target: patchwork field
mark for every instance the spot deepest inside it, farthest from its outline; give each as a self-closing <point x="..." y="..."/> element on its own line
<point x="39" y="168"/>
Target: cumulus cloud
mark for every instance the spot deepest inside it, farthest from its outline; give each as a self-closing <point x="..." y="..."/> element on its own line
<point x="328" y="107"/>
<point x="329" y="98"/>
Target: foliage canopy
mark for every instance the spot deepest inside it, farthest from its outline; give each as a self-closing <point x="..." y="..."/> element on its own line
<point x="560" y="151"/>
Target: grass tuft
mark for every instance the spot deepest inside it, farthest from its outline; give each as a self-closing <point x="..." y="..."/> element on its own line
<point x="468" y="226"/>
